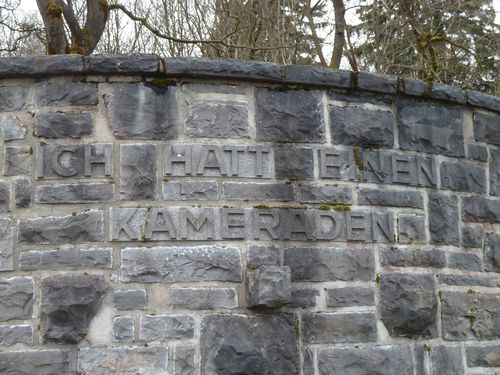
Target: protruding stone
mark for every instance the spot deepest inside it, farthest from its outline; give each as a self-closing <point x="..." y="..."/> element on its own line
<point x="350" y="296"/>
<point x="138" y="174"/>
<point x="130" y="299"/>
<point x="36" y="362"/>
<point x="203" y="298"/>
<point x="75" y="193"/>
<point x="66" y="259"/>
<point x="166" y="327"/>
<point x="293" y="163"/>
<point x="123" y="329"/>
<point x="443" y="219"/>
<point x="63" y="125"/>
<point x="184" y="360"/>
<point x="59" y="94"/>
<point x="69" y="303"/>
<point x="269" y="286"/>
<point x="16" y="298"/>
<point x="17" y="160"/>
<point x="6" y="245"/>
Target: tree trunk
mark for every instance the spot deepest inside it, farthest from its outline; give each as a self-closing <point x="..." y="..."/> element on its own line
<point x="339" y="40"/>
<point x="52" y="16"/>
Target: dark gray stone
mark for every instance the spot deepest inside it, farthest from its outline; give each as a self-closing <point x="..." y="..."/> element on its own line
<point x="63" y="125"/>
<point x="294" y="163"/>
<point x="22" y="192"/>
<point x="269" y="286"/>
<point x="13" y="98"/>
<point x="357" y="126"/>
<point x="338" y="164"/>
<point x="432" y="128"/>
<point x="448" y="93"/>
<point x="75" y="193"/>
<point x="413" y="258"/>
<point x="443" y="219"/>
<point x="289" y="116"/>
<point x="257" y="191"/>
<point x="468" y="280"/>
<point x="408" y="305"/>
<point x="414" y="87"/>
<point x="329" y="264"/>
<point x="472" y="236"/>
<point x="59" y="94"/>
<point x="66" y="259"/>
<point x="123" y="329"/>
<point x="4" y="196"/>
<point x="207" y="88"/>
<point x="123" y="64"/>
<point x="36" y="362"/>
<point x="303" y="298"/>
<point x="87" y="226"/>
<point x="325" y="194"/>
<point x="387" y="84"/>
<point x="6" y="245"/>
<point x="317" y="76"/>
<point x="463" y="177"/>
<point x="411" y="229"/>
<point x="369" y="360"/>
<point x="491" y="252"/>
<point x="126" y="223"/>
<point x="395" y="198"/>
<point x="308" y="362"/>
<point x="483" y="355"/>
<point x="130" y="299"/>
<point x="478" y="153"/>
<point x="17" y="160"/>
<point x="190" y="190"/>
<point x="166" y="327"/>
<point x="465" y="261"/>
<point x="470" y="315"/>
<point x="216" y="119"/>
<point x="20" y="334"/>
<point x="267" y="255"/>
<point x="138" y="177"/>
<point x="203" y="298"/>
<point x="487" y="128"/>
<point x="39" y="66"/>
<point x="68" y="305"/>
<point x="495" y="172"/>
<point x="481" y="99"/>
<point x="16" y="298"/>
<point x="359" y="97"/>
<point x="250" y="345"/>
<point x="181" y="264"/>
<point x="350" y="296"/>
<point x="480" y="210"/>
<point x="446" y="360"/>
<point x="143" y="111"/>
<point x="329" y="328"/>
<point x="184" y="360"/>
<point x="12" y="128"/>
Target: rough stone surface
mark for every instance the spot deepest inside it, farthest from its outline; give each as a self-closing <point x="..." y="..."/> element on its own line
<point x="4" y="196"/>
<point x="480" y="210"/>
<point x="269" y="286"/>
<point x="289" y="116"/>
<point x="258" y="256"/>
<point x="6" y="245"/>
<point x="250" y="345"/>
<point x="481" y="99"/>
<point x="408" y="305"/>
<point x="463" y="177"/>
<point x="123" y="64"/>
<point x="465" y="261"/>
<point x="447" y="92"/>
<point x="184" y="360"/>
<point x="60" y="94"/>
<point x="257" y="191"/>
<point x="495" y="172"/>
<point x="469" y="280"/>
<point x="378" y="82"/>
<point x="190" y="190"/>
<point x="130" y="299"/>
<point x="75" y="193"/>
<point x="446" y="360"/>
<point x="22" y="192"/>
<point x="443" y="219"/>
<point x="487" y="128"/>
<point x="19" y="334"/>
<point x="325" y="194"/>
<point x="17" y="160"/>
<point x="395" y="198"/>
<point x="123" y="329"/>
<point x="401" y="257"/>
<point x="138" y="171"/>
<point x="303" y="298"/>
<point x="16" y="298"/>
<point x="63" y="125"/>
<point x="68" y="305"/>
<point x="350" y="296"/>
<point x="41" y="65"/>
<point x="166" y="327"/>
<point x="36" y="362"/>
<point x="66" y="259"/>
<point x="315" y="75"/>
<point x="483" y="355"/>
<point x="11" y="127"/>
<point x="203" y="298"/>
<point x="13" y="98"/>
<point x="472" y="236"/>
<point x="478" y="152"/>
<point x="491" y="252"/>
<point x="411" y="229"/>
<point x="294" y="163"/>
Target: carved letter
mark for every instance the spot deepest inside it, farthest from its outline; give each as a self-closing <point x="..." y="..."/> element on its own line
<point x="259" y="158"/>
<point x="233" y="223"/>
<point x="56" y="164"/>
<point x="103" y="154"/>
<point x="206" y="217"/>
<point x="358" y="226"/>
<point x="217" y="161"/>
<point x="295" y="222"/>
<point x="426" y="172"/>
<point x="403" y="169"/>
<point x="382" y="224"/>
<point x="328" y="225"/>
<point x="265" y="220"/>
<point x="234" y="158"/>
<point x="160" y="221"/>
<point x="173" y="154"/>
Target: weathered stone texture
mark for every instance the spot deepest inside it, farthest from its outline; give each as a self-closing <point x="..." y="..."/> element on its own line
<point x="123" y="329"/>
<point x="446" y="360"/>
<point x="401" y="257"/>
<point x="11" y="127"/>
<point x="19" y="334"/>
<point x="465" y="261"/>
<point x="443" y="219"/>
<point x="411" y="229"/>
<point x="138" y="171"/>
<point x="60" y="94"/>
<point x="303" y="298"/>
<point x="203" y="298"/>
<point x="487" y="128"/>
<point x="483" y="355"/>
<point x="294" y="163"/>
<point x="382" y="83"/>
<point x="395" y="198"/>
<point x="16" y="298"/>
<point x="495" y="172"/>
<point x="478" y="152"/>
<point x="463" y="177"/>
<point x="472" y="236"/>
<point x="491" y="252"/>
<point x="350" y="296"/>
<point x="480" y="210"/>
<point x="66" y="259"/>
<point x="17" y="160"/>
<point x="6" y="245"/>
<point x="257" y="191"/>
<point x="269" y="286"/>
<point x="4" y="196"/>
<point x="22" y="192"/>
<point x="13" y="97"/>
<point x="130" y="299"/>
<point x="123" y="64"/>
<point x="63" y="125"/>
<point x="190" y="190"/>
<point x="166" y="327"/>
<point x="258" y="256"/>
<point x="184" y="360"/>
<point x="75" y="193"/>
<point x="36" y="362"/>
<point x="325" y="194"/>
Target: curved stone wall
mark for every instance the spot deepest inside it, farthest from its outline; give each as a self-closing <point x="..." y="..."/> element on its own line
<point x="187" y="216"/>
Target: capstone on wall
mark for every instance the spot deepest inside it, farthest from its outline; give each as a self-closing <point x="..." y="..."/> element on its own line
<point x="187" y="216"/>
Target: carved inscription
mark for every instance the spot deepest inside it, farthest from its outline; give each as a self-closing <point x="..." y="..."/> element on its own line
<point x="195" y="224"/>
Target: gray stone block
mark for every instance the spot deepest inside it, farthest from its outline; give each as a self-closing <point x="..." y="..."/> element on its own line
<point x="387" y="360"/>
<point x="413" y="258"/>
<point x="207" y="88"/>
<point x="138" y="176"/>
<point x="13" y="98"/>
<point x="303" y="298"/>
<point x="126" y="223"/>
<point x="123" y="64"/>
<point x="17" y="160"/>
<point x="294" y="163"/>
<point x="190" y="190"/>
<point x="60" y="94"/>
<point x="480" y="210"/>
<point x="75" y="193"/>
<point x="216" y="119"/>
<point x="432" y="128"/>
<point x="469" y="280"/>
<point x="463" y="177"/>
<point x="350" y="296"/>
<point x="448" y="93"/>
<point x="349" y="327"/>
<point x="325" y="194"/>
<point x="22" y="192"/>
<point x="68" y="305"/>
<point x="257" y="191"/>
<point x="243" y="344"/>
<point x="446" y="360"/>
<point x="387" y="197"/>
<point x="472" y="236"/>
<point x="357" y="126"/>
<point x="87" y="226"/>
<point x="478" y="153"/>
<point x="203" y="298"/>
<point x="36" y="362"/>
<point x="123" y="360"/>
<point x="408" y="305"/>
<point x="483" y="355"/>
<point x="12" y="128"/>
<point x="384" y="83"/>
<point x="130" y="299"/>
<point x="16" y="298"/>
<point x="411" y="229"/>
<point x="41" y="65"/>
<point x="414" y="87"/>
<point x="329" y="264"/>
<point x="123" y="329"/>
<point x="166" y="327"/>
<point x="184" y="360"/>
<point x="470" y="315"/>
<point x="71" y="259"/>
<point x="181" y="264"/>
<point x="6" y="245"/>
<point x="308" y="362"/>
<point x="63" y="125"/>
<point x="143" y="111"/>
<point x="487" y="128"/>
<point x="481" y="99"/>
<point x="269" y="286"/>
<point x="4" y="196"/>
<point x="267" y="255"/>
<point x="289" y="116"/>
<point x="20" y="334"/>
<point x="491" y="252"/>
<point x="465" y="261"/>
<point x="318" y="76"/>
<point x="443" y="219"/>
<point x="495" y="172"/>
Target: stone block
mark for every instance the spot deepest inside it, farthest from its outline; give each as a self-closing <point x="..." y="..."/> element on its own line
<point x="184" y="360"/>
<point x="71" y="259"/>
<point x="269" y="286"/>
<point x="325" y="194"/>
<point x="181" y="264"/>
<point x="226" y="119"/>
<point x="495" y="172"/>
<point x="396" y="257"/>
<point x="463" y="177"/>
<point x="16" y="298"/>
<point x="22" y="192"/>
<point x="123" y="64"/>
<point x="19" y="334"/>
<point x="257" y="191"/>
<point x="431" y="128"/>
<point x="472" y="236"/>
<point x="59" y="94"/>
<point x="203" y="298"/>
<point x="41" y="65"/>
<point x="207" y="88"/>
<point x="126" y="223"/>
<point x="446" y="360"/>
<point x="443" y="219"/>
<point x="12" y="128"/>
<point x="408" y="305"/>
<point x="349" y="327"/>
<point x="258" y="256"/>
<point x="487" y="128"/>
<point x="446" y="92"/>
<point x="383" y="83"/>
<point x="138" y="176"/>
<point x="483" y="355"/>
<point x="13" y="98"/>
<point x="17" y="160"/>
<point x="469" y="280"/>
<point x="294" y="163"/>
<point x="190" y="190"/>
<point x="411" y="229"/>
<point x="243" y="344"/>
<point x="465" y="261"/>
<point x="75" y="193"/>
<point x="478" y="153"/>
<point x="87" y="226"/>
<point x="63" y="125"/>
<point x="68" y="305"/>
<point x="330" y="264"/>
<point x="289" y="116"/>
<point x="491" y="252"/>
<point x="388" y="197"/>
<point x="6" y="245"/>
<point x="308" y="362"/>
<point x="143" y="111"/>
<point x="303" y="298"/>
<point x="36" y="362"/>
<point x="123" y="329"/>
<point x="316" y="75"/>
<point x="130" y="299"/>
<point x="481" y="99"/>
<point x="358" y="126"/>
<point x="480" y="210"/>
<point x="4" y="196"/>
<point x="166" y="327"/>
<point x="338" y="164"/>
<point x="350" y="296"/>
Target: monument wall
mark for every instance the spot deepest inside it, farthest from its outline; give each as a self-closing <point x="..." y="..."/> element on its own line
<point x="188" y="216"/>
